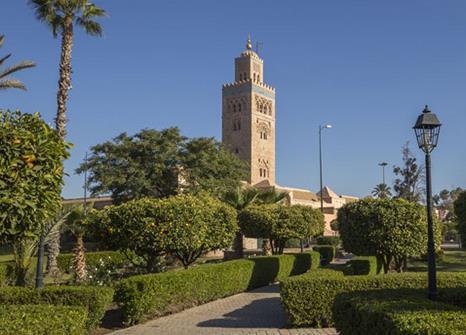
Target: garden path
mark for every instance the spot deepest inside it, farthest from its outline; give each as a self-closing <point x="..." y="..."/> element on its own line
<point x="257" y="312"/>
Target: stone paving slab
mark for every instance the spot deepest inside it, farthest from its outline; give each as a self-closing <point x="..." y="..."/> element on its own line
<point x="257" y="312"/>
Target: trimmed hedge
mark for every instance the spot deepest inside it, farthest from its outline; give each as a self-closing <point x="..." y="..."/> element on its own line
<point x="308" y="298"/>
<point x="42" y="319"/>
<point x="387" y="312"/>
<point x="364" y="265"/>
<point x="116" y="258"/>
<point x="163" y="293"/>
<point x="328" y="240"/>
<point x="94" y="299"/>
<point x="327" y="253"/>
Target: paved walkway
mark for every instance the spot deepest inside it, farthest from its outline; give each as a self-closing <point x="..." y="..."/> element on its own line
<point x="258" y="312"/>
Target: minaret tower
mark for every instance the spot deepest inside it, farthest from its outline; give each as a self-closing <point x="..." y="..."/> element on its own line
<point x="248" y="117"/>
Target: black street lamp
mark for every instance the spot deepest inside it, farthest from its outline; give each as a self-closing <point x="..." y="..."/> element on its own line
<point x="427" y="129"/>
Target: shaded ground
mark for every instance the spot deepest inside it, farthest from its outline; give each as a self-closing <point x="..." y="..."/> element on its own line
<point x="254" y="312"/>
<point x="453" y="260"/>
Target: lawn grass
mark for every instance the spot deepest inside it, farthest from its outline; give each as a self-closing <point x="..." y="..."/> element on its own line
<point x="454" y="260"/>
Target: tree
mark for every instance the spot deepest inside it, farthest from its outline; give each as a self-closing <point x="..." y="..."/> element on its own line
<point x="280" y="223"/>
<point x="445" y="200"/>
<point x="194" y="225"/>
<point x="131" y="226"/>
<point x="6" y="82"/>
<point x="391" y="229"/>
<point x="240" y="198"/>
<point x="160" y="164"/>
<point x="460" y="212"/>
<point x="61" y="16"/>
<point x="31" y="171"/>
<point x="76" y="223"/>
<point x="408" y="185"/>
<point x="382" y="191"/>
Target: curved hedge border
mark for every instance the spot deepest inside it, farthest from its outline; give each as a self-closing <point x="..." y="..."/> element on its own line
<point x="308" y="299"/>
<point x="42" y="319"/>
<point x="163" y="293"/>
<point x="117" y="259"/>
<point x="94" y="299"/>
<point x="387" y="312"/>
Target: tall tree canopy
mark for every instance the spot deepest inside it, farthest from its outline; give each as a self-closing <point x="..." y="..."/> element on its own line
<point x="408" y="184"/>
<point x="61" y="16"/>
<point x="460" y="212"/>
<point x="159" y="164"/>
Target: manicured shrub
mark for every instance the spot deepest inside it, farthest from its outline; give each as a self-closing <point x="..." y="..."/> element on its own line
<point x="162" y="293"/>
<point x="404" y="311"/>
<point x="327" y="253"/>
<point x="115" y="258"/>
<point x="391" y="229"/>
<point x="95" y="299"/>
<point x="308" y="298"/>
<point x="328" y="240"/>
<point x="364" y="265"/>
<point x="42" y="319"/>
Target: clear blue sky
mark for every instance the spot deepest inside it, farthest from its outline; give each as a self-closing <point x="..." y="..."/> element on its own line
<point x="367" y="67"/>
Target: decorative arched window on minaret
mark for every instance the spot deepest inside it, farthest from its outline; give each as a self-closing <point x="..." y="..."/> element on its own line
<point x="256" y="101"/>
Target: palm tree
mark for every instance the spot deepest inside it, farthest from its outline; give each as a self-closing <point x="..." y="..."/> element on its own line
<point x="61" y="16"/>
<point x="382" y="191"/>
<point x="75" y="223"/>
<point x="272" y="196"/>
<point x="7" y="82"/>
<point x="239" y="199"/>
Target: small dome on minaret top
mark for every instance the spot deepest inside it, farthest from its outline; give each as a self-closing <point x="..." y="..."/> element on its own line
<point x="249" y="52"/>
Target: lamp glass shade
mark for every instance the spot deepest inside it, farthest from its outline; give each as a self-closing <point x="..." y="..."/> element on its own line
<point x="427" y="130"/>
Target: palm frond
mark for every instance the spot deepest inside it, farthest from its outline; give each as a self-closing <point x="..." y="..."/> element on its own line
<point x="17" y="67"/>
<point x="91" y="27"/>
<point x="4" y="59"/>
<point x="11" y="83"/>
<point x="2" y="39"/>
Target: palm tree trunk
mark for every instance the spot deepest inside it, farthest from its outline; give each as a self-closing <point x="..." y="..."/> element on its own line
<point x="64" y="85"/>
<point x="79" y="261"/>
<point x="53" y="249"/>
<point x="64" y="82"/>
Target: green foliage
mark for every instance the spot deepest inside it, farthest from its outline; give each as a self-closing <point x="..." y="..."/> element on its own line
<point x="382" y="191"/>
<point x="6" y="82"/>
<point x="7" y="270"/>
<point x="95" y="299"/>
<point x="184" y="225"/>
<point x="308" y="298"/>
<point x="445" y="201"/>
<point x="55" y="14"/>
<point x="460" y="212"/>
<point x="327" y="253"/>
<point x="364" y="265"/>
<point x="31" y="171"/>
<point x="280" y="223"/>
<point x="408" y="185"/>
<point x="328" y="240"/>
<point x="162" y="293"/>
<point x="193" y="225"/>
<point x="406" y="312"/>
<point x="160" y="164"/>
<point x="42" y="319"/>
<point x="115" y="258"/>
<point x="391" y="229"/>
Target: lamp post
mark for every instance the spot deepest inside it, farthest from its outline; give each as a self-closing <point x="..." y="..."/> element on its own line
<point x="327" y="126"/>
<point x="383" y="165"/>
<point x="427" y="129"/>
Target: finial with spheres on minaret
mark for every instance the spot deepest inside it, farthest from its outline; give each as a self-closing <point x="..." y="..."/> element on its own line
<point x="249" y="43"/>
